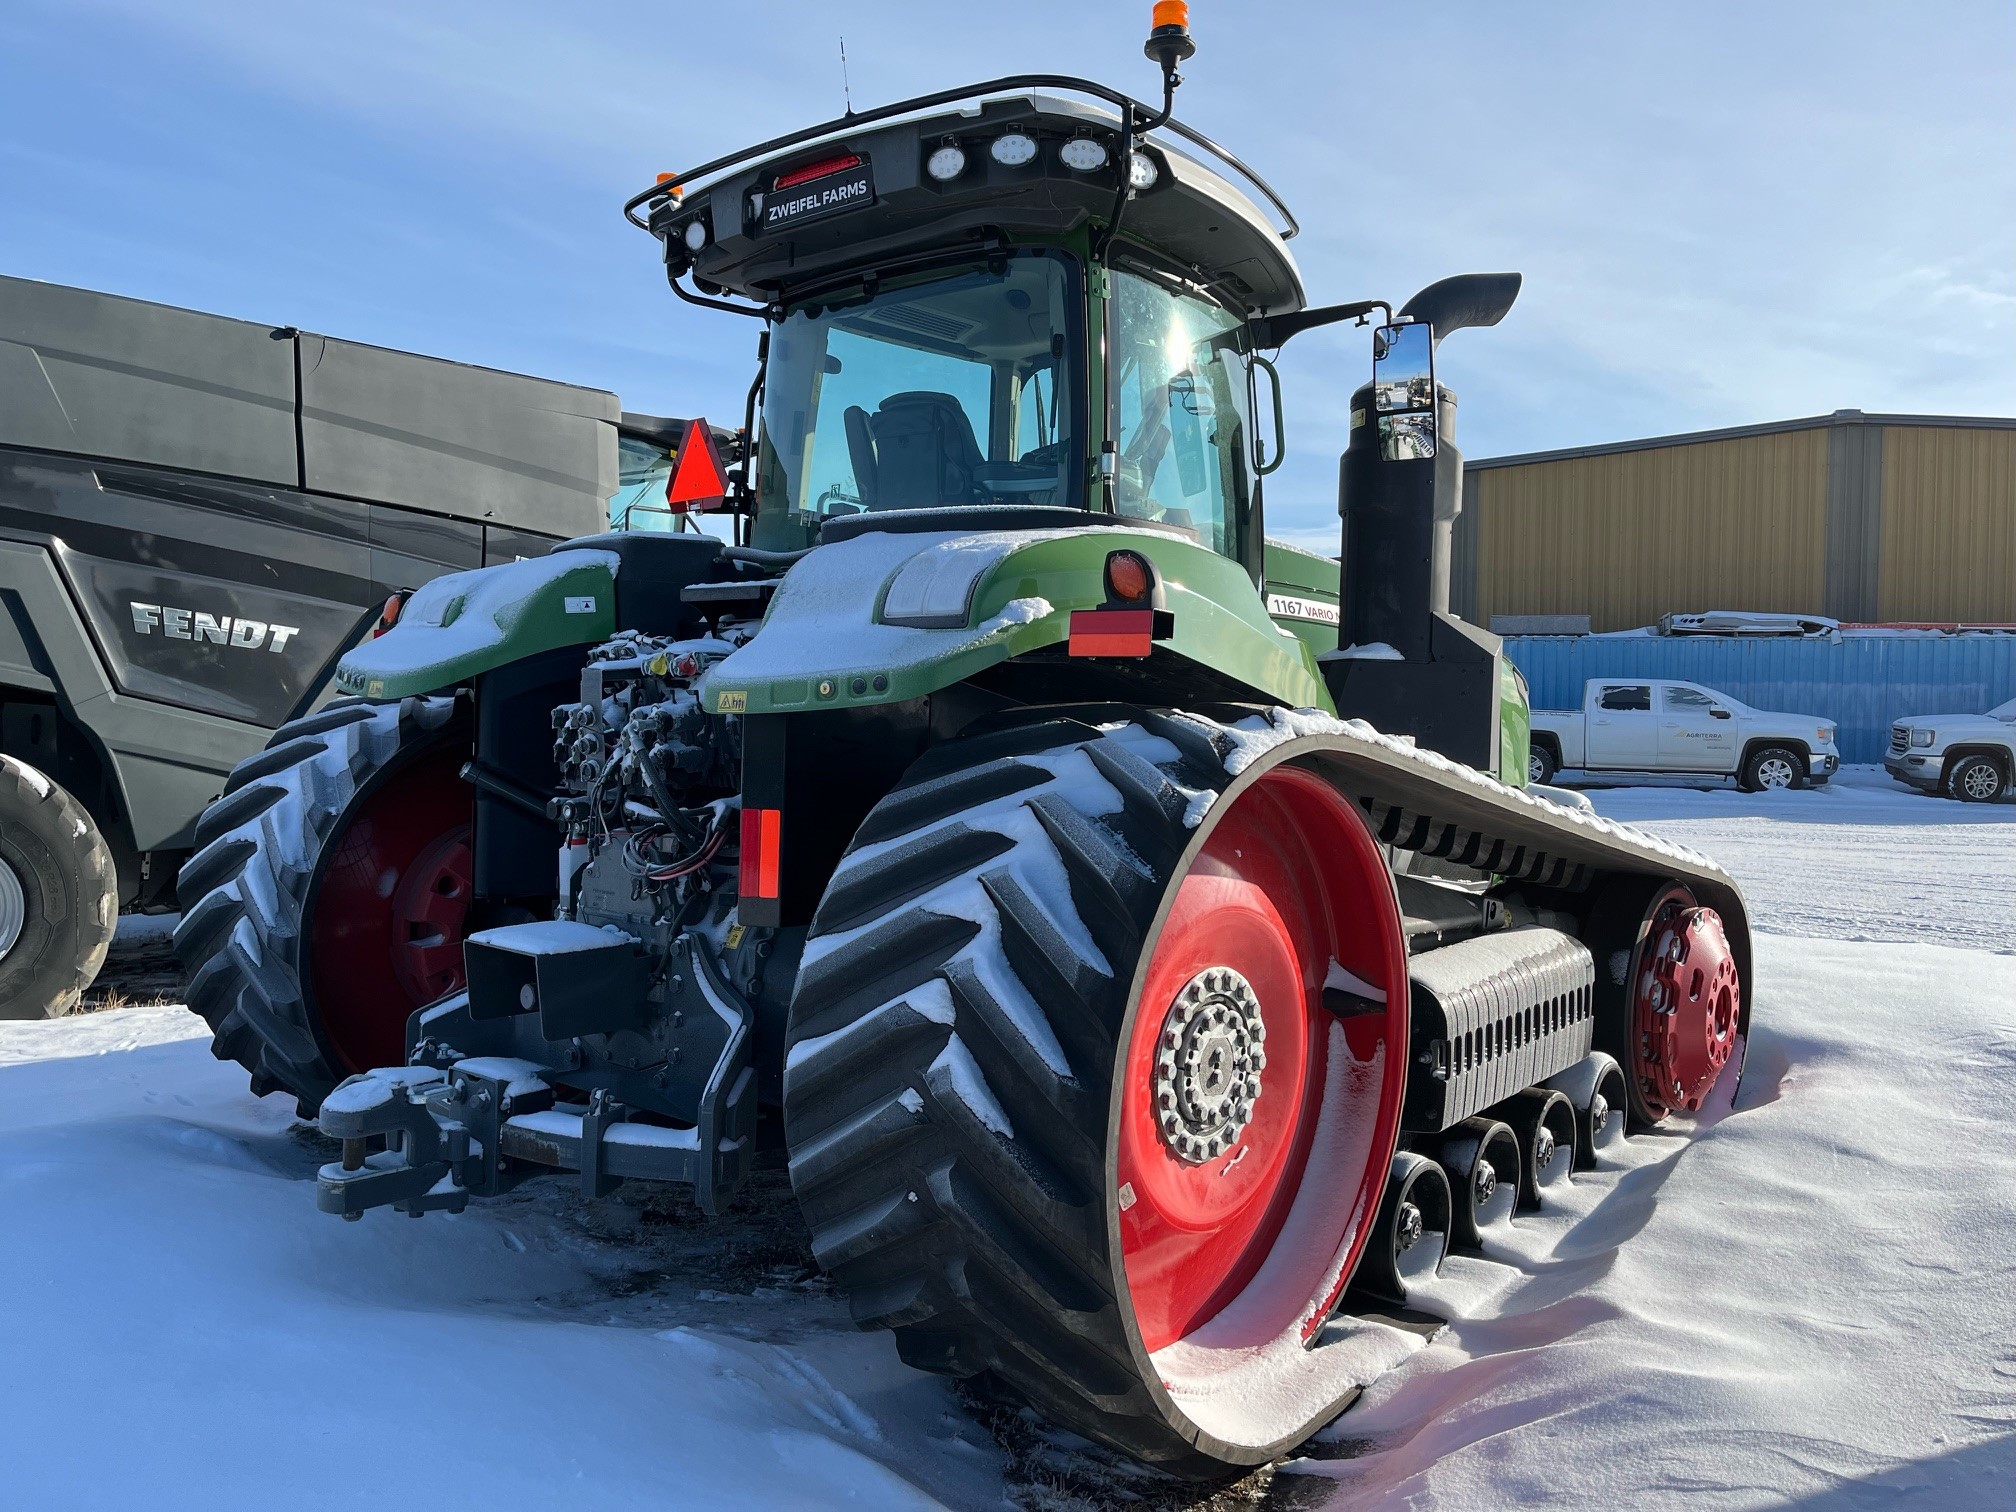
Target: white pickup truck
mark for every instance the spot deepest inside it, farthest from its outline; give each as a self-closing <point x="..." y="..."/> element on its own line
<point x="1650" y="724"/>
<point x="1972" y="757"/>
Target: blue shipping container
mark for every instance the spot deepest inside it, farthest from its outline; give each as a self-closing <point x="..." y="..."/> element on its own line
<point x="1861" y="682"/>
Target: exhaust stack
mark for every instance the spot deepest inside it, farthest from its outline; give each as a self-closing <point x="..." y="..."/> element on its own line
<point x="1403" y="662"/>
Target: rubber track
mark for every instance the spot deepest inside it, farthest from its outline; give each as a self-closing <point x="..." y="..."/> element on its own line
<point x="934" y="947"/>
<point x="244" y="891"/>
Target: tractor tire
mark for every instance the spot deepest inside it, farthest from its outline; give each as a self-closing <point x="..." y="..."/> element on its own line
<point x="1050" y="1004"/>
<point x="1773" y="768"/>
<point x="59" y="899"/>
<point x="1976" y="779"/>
<point x="329" y="891"/>
<point x="1541" y="764"/>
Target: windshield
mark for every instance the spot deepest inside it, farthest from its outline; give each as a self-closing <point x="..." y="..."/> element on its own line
<point x="1181" y="403"/>
<point x="958" y="387"/>
<point x="642" y="471"/>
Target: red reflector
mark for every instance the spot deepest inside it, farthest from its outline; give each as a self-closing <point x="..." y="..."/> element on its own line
<point x="762" y="830"/>
<point x="1112" y="632"/>
<point x="698" y="480"/>
<point x="816" y="170"/>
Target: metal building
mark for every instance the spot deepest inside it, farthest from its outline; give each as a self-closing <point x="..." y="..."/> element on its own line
<point x="1862" y="518"/>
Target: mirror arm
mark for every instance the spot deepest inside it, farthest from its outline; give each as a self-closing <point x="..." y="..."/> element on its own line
<point x="1271" y="331"/>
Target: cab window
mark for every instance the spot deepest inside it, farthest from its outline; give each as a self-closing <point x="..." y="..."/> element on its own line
<point x="1629" y="697"/>
<point x="1181" y="412"/>
<point x="1688" y="701"/>
<point x="952" y="387"/>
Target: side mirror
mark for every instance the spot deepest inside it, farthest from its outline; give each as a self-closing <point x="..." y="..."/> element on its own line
<point x="1403" y="390"/>
<point x="1720" y="714"/>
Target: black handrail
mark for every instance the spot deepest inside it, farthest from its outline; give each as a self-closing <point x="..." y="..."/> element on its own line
<point x="1124" y="103"/>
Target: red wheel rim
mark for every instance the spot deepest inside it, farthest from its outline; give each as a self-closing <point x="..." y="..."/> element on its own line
<point x="1288" y="881"/>
<point x="1685" y="1003"/>
<point x="388" y="917"/>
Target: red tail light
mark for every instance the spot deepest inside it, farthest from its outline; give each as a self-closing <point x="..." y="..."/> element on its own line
<point x="762" y="829"/>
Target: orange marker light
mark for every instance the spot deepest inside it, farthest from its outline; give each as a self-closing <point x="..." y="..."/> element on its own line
<point x="389" y="615"/>
<point x="1128" y="578"/>
<point x="1171" y="13"/>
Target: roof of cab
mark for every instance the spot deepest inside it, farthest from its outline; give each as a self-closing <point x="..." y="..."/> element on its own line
<point x="1195" y="214"/>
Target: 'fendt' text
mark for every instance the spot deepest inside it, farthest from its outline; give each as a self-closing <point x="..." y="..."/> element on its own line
<point x="219" y="629"/>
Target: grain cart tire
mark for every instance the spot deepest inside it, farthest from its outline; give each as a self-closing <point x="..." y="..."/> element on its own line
<point x="328" y="894"/>
<point x="1065" y="1110"/>
<point x="1976" y="779"/>
<point x="59" y="900"/>
<point x="1773" y="768"/>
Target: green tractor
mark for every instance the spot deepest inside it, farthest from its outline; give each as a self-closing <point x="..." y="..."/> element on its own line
<point x="1146" y="956"/>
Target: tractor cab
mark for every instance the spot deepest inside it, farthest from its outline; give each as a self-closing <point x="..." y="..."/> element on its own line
<point x="1032" y="294"/>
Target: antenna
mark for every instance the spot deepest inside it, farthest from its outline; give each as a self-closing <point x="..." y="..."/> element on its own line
<point x="846" y="89"/>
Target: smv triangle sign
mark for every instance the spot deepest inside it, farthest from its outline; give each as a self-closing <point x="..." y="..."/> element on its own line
<point x="699" y="481"/>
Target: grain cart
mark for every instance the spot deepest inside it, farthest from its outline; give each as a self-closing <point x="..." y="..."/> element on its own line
<point x="1145" y="956"/>
<point x="198" y="516"/>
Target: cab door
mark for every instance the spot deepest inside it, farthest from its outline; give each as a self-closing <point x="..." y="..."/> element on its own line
<point x="1696" y="733"/>
<point x="1622" y="731"/>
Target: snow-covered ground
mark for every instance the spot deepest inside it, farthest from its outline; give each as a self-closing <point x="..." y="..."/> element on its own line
<point x="1811" y="1301"/>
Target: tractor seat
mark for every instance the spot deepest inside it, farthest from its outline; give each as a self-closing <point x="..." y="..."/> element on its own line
<point x="925" y="452"/>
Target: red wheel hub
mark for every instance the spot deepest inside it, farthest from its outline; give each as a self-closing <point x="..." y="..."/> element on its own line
<point x="1684" y="1008"/>
<point x="387" y="920"/>
<point x="1255" y="1126"/>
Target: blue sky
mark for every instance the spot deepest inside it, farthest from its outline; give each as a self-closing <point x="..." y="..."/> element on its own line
<point x="1725" y="213"/>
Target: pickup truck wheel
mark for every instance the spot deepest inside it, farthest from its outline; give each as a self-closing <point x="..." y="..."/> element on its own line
<point x="1976" y="779"/>
<point x="1773" y="769"/>
<point x="1540" y="765"/>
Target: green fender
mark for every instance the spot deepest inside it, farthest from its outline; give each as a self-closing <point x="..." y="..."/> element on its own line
<point x="462" y="625"/>
<point x="1302" y="594"/>
<point x="884" y="617"/>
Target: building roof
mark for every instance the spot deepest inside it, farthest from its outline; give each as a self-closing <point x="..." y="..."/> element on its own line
<point x="1736" y="432"/>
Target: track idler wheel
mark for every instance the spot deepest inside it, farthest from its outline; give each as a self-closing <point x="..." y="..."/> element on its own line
<point x="1684" y="1006"/>
<point x="1480" y="1156"/>
<point x="1596" y="1087"/>
<point x="1412" y="1232"/>
<point x="1543" y="1121"/>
